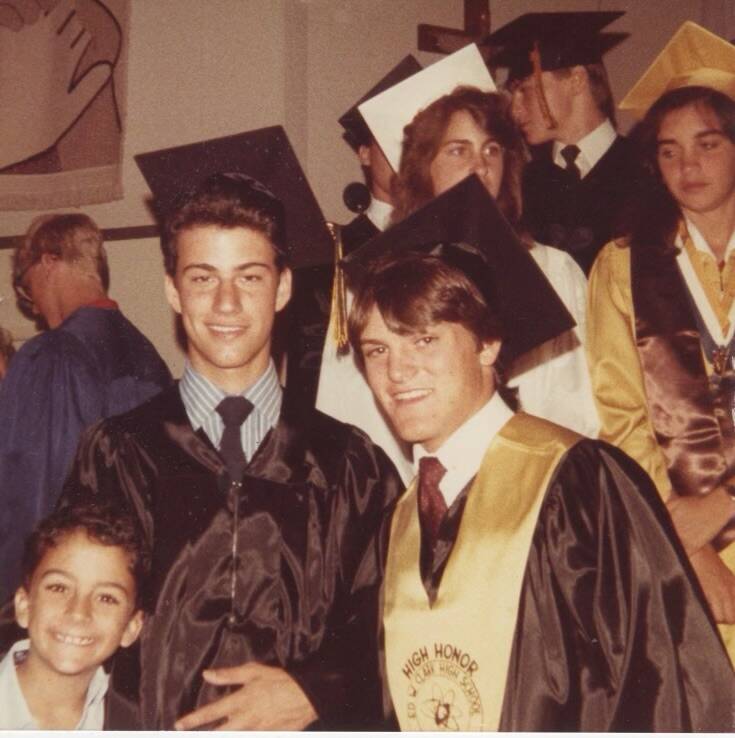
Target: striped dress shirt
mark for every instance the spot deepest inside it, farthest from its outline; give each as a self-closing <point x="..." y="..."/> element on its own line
<point x="201" y="397"/>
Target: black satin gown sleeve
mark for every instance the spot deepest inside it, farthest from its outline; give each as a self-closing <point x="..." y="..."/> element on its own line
<point x="342" y="679"/>
<point x="613" y="631"/>
<point x="300" y="593"/>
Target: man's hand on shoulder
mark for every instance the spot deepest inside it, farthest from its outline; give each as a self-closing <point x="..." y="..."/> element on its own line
<point x="268" y="699"/>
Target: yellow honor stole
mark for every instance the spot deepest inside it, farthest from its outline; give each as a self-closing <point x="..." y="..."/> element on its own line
<point x="447" y="663"/>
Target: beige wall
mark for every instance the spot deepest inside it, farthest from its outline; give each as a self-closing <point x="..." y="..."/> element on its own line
<point x="200" y="69"/>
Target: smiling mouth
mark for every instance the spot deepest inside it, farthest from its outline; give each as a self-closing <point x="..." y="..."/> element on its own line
<point x="413" y="395"/>
<point x="72" y="640"/>
<point x="693" y="186"/>
<point x="226" y="330"/>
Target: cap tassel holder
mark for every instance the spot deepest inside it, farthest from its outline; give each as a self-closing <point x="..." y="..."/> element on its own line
<point x="535" y="57"/>
<point x="339" y="294"/>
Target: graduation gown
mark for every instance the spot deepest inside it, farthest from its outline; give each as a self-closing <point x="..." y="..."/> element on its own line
<point x="304" y="577"/>
<point x="95" y="364"/>
<point x="579" y="216"/>
<point x="611" y="631"/>
<point x="305" y="322"/>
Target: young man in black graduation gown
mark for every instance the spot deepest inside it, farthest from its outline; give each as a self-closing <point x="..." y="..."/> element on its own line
<point x="261" y="607"/>
<point x="311" y="305"/>
<point x="583" y="173"/>
<point x="533" y="580"/>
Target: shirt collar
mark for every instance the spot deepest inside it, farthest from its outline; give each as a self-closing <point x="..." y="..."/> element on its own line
<point x="462" y="453"/>
<point x="15" y="708"/>
<point x="699" y="242"/>
<point x="201" y="396"/>
<point x="379" y="213"/>
<point x="15" y="712"/>
<point x="592" y="147"/>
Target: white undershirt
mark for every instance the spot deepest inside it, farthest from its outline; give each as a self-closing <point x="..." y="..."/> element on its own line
<point x="462" y="453"/>
<point x="591" y="148"/>
<point x="379" y="213"/>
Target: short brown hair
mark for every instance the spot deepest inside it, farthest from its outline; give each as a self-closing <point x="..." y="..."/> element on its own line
<point x="414" y="290"/>
<point x="73" y="237"/>
<point x="228" y="200"/>
<point x="599" y="87"/>
<point x="423" y="136"/>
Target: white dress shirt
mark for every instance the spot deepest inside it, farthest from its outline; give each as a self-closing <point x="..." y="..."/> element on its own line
<point x="14" y="712"/>
<point x="700" y="242"/>
<point x="553" y="380"/>
<point x="591" y="148"/>
<point x="201" y="397"/>
<point x="462" y="453"/>
<point x="379" y="213"/>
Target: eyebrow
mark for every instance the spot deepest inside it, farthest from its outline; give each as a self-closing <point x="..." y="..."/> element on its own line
<point x="239" y="268"/>
<point x="66" y="575"/>
<point x="701" y="134"/>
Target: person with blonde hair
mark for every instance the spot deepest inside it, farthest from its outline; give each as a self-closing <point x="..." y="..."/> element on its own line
<point x="90" y="364"/>
<point x="7" y="350"/>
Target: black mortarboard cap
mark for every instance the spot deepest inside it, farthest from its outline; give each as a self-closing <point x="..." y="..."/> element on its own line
<point x="512" y="283"/>
<point x="357" y="132"/>
<point x="265" y="155"/>
<point x="564" y="39"/>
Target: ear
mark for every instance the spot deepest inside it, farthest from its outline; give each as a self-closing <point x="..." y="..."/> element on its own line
<point x="283" y="292"/>
<point x="172" y="294"/>
<point x="49" y="260"/>
<point x="578" y="79"/>
<point x="363" y="154"/>
<point x="489" y="352"/>
<point x="132" y="629"/>
<point x="21" y="607"/>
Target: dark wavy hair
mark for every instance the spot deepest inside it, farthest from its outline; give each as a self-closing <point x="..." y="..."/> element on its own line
<point x="103" y="522"/>
<point x="227" y="200"/>
<point x="653" y="216"/>
<point x="423" y="136"/>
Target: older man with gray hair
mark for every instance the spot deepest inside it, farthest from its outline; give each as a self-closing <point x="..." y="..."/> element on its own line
<point x="90" y="363"/>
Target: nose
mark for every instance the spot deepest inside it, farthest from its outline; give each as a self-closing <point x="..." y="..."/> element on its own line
<point x="79" y="607"/>
<point x="516" y="107"/>
<point x="689" y="159"/>
<point x="401" y="366"/>
<point x="227" y="297"/>
<point x="480" y="164"/>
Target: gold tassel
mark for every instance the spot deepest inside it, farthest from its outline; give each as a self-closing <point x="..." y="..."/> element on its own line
<point x="338" y="311"/>
<point x="545" y="111"/>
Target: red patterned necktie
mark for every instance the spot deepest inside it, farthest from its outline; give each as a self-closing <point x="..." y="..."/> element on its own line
<point x="432" y="506"/>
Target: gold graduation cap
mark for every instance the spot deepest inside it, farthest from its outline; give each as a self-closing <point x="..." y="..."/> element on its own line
<point x="693" y="56"/>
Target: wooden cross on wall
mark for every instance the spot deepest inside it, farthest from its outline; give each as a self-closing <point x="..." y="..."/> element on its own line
<point x="442" y="40"/>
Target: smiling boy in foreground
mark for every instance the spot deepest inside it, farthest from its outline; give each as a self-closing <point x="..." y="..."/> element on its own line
<point x="82" y="573"/>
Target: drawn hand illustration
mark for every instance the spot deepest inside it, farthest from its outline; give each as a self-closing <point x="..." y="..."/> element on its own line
<point x="38" y="72"/>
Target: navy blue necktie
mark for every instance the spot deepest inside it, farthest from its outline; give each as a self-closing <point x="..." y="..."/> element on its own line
<point x="570" y="154"/>
<point x="233" y="411"/>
